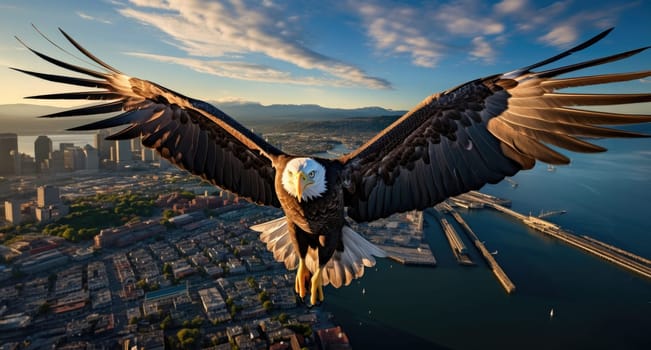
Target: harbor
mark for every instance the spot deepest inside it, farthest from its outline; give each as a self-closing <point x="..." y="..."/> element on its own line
<point x="602" y="250"/>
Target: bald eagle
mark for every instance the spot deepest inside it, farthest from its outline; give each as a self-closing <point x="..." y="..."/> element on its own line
<point x="452" y="142"/>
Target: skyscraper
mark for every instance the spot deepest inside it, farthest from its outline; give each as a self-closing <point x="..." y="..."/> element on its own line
<point x="103" y="146"/>
<point x="12" y="212"/>
<point x="42" y="150"/>
<point x="47" y="195"/>
<point x="8" y="143"/>
<point x="92" y="160"/>
<point x="123" y="152"/>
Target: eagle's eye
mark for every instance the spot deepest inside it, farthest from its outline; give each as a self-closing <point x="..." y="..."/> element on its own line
<point x="311" y="174"/>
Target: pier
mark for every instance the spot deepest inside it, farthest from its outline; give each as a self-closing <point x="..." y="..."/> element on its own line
<point x="509" y="287"/>
<point x="607" y="252"/>
<point x="458" y="247"/>
<point x="421" y="256"/>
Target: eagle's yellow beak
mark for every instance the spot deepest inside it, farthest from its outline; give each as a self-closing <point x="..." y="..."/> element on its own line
<point x="302" y="181"/>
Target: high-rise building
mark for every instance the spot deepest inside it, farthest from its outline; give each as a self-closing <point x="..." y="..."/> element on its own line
<point x="103" y="146"/>
<point x="47" y="195"/>
<point x="8" y="143"/>
<point x="92" y="157"/>
<point x="12" y="212"/>
<point x="123" y="151"/>
<point x="66" y="145"/>
<point x="74" y="159"/>
<point x="55" y="163"/>
<point x="42" y="150"/>
<point x="136" y="145"/>
<point x="147" y="154"/>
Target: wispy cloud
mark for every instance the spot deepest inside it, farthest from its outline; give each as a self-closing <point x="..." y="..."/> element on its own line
<point x="234" y="29"/>
<point x="241" y="70"/>
<point x="510" y="6"/>
<point x="482" y="50"/>
<point x="428" y="34"/>
<point x="88" y="17"/>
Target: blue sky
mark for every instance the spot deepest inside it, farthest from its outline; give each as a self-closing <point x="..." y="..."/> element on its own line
<point x="342" y="54"/>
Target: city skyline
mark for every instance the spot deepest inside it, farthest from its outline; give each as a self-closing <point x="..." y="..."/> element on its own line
<point x="378" y="53"/>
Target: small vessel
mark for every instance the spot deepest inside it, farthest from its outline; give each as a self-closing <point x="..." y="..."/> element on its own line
<point x="494" y="253"/>
<point x="551" y="313"/>
<point x="363" y="291"/>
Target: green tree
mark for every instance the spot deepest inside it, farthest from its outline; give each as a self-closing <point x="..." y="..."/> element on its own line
<point x="197" y="322"/>
<point x="166" y="322"/>
<point x="167" y="268"/>
<point x="267" y="305"/>
<point x="187" y="336"/>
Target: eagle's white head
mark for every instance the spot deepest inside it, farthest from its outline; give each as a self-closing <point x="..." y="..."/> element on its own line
<point x="304" y="178"/>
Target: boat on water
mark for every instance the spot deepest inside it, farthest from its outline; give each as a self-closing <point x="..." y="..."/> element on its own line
<point x="494" y="253"/>
<point x="551" y="313"/>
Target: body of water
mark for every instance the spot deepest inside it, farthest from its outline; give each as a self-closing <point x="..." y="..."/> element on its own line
<point x="597" y="305"/>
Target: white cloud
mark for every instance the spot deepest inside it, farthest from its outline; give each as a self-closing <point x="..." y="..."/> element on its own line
<point x="561" y="36"/>
<point x="241" y="70"/>
<point x="427" y="34"/>
<point x="482" y="50"/>
<point x="396" y="30"/>
<point x="233" y="29"/>
<point x="510" y="6"/>
<point x="88" y="17"/>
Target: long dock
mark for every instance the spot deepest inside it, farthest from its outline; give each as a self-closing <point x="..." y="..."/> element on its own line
<point x="509" y="287"/>
<point x="421" y="256"/>
<point x="458" y="247"/>
<point x="600" y="249"/>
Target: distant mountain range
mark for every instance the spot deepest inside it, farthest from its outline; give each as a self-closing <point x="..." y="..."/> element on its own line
<point x="21" y="118"/>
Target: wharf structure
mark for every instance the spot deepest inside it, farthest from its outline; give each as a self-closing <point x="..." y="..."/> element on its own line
<point x="490" y="260"/>
<point x="458" y="247"/>
<point x="607" y="252"/>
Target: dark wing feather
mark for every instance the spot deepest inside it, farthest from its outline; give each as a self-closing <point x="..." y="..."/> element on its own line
<point x="482" y="131"/>
<point x="192" y="134"/>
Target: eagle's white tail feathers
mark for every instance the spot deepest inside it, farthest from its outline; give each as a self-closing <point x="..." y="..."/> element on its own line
<point x="342" y="268"/>
<point x="345" y="266"/>
<point x="276" y="234"/>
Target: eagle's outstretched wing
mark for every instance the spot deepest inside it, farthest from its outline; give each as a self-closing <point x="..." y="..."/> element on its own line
<point x="192" y="134"/>
<point x="482" y="131"/>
